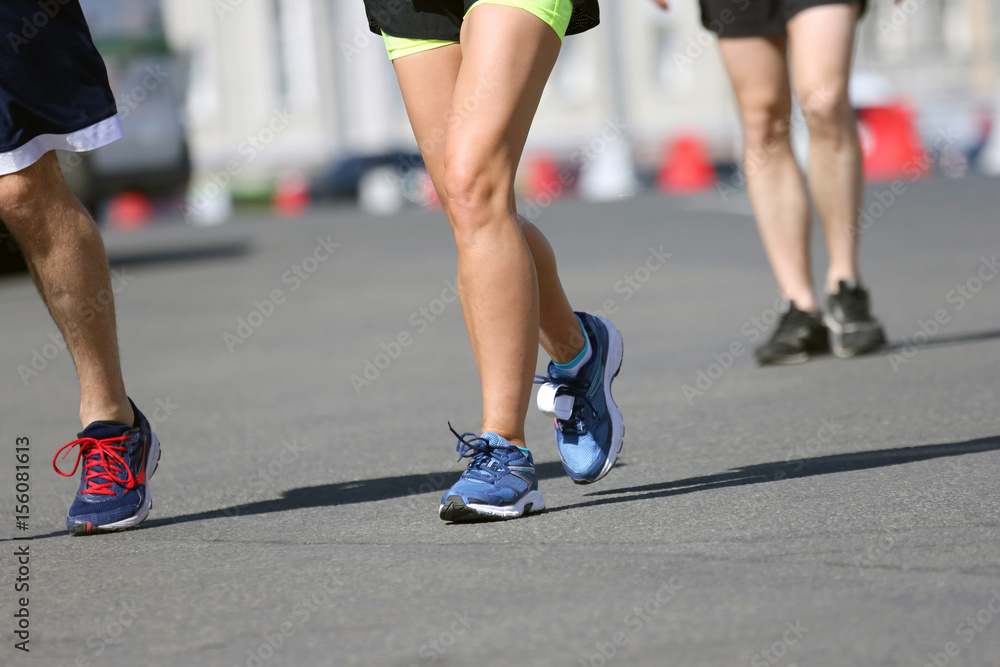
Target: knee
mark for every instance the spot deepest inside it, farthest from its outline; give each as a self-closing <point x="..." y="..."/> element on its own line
<point x="25" y="194"/>
<point x="827" y="110"/>
<point x="476" y="195"/>
<point x="40" y="211"/>
<point x="765" y="125"/>
<point x="19" y="196"/>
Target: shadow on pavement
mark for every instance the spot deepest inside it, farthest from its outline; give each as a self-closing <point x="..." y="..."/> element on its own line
<point x="201" y="253"/>
<point x="345" y="493"/>
<point x="775" y="472"/>
<point x="942" y="341"/>
<point x="387" y="488"/>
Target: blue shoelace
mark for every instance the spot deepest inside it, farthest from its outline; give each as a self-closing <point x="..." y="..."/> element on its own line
<point x="481" y="452"/>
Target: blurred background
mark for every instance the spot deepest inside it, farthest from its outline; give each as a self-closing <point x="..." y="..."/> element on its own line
<point x="286" y="103"/>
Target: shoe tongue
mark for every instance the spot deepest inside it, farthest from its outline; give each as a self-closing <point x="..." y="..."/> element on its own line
<point x="792" y="308"/>
<point x="102" y="430"/>
<point x="847" y="286"/>
<point x="557" y="373"/>
<point x="495" y="439"/>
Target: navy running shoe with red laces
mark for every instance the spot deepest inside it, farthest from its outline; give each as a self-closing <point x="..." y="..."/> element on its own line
<point x="118" y="461"/>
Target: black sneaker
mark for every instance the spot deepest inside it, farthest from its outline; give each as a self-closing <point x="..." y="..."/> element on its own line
<point x="798" y="336"/>
<point x="850" y="320"/>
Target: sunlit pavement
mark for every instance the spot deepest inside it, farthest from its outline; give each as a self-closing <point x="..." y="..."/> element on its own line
<point x="301" y="375"/>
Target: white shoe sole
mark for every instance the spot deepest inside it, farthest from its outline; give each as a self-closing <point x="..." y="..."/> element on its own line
<point x="837" y="339"/>
<point x="152" y="460"/>
<point x="530" y="503"/>
<point x="616" y="349"/>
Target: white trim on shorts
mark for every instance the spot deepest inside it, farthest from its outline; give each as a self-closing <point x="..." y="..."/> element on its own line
<point x="87" y="139"/>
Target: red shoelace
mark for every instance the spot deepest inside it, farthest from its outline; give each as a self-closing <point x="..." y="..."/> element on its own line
<point x="103" y="453"/>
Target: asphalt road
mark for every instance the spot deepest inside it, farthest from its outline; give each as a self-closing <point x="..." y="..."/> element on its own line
<point x="832" y="513"/>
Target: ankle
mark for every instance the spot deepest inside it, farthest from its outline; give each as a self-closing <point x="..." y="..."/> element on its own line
<point x="572" y="366"/>
<point x="516" y="439"/>
<point x="805" y="303"/>
<point x="110" y="412"/>
<point x="834" y="279"/>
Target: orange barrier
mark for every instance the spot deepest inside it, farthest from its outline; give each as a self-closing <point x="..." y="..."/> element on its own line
<point x="291" y="196"/>
<point x="129" y="210"/>
<point x="686" y="166"/>
<point x="890" y="145"/>
<point x="543" y="177"/>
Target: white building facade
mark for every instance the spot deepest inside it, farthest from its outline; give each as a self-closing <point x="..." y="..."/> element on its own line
<point x="297" y="83"/>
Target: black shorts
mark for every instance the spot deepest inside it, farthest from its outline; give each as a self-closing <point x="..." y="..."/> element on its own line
<point x="758" y="18"/>
<point x="54" y="91"/>
<point x="442" y="19"/>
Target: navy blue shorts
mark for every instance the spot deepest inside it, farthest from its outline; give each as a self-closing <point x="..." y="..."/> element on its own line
<point x="54" y="91"/>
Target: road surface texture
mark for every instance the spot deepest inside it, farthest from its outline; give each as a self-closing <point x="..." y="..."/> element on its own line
<point x="832" y="513"/>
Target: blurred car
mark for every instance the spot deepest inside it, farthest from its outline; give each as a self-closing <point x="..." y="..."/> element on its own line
<point x="345" y="177"/>
<point x="152" y="157"/>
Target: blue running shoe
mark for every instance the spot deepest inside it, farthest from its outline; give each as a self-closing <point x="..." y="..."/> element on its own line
<point x="500" y="482"/>
<point x="118" y="461"/>
<point x="589" y="427"/>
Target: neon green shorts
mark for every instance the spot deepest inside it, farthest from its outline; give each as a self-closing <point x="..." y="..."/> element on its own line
<point x="554" y="13"/>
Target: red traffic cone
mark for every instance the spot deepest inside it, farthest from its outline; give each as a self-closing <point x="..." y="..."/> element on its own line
<point x="291" y="196"/>
<point x="891" y="147"/>
<point x="686" y="166"/>
<point x="129" y="210"/>
<point x="543" y="177"/>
